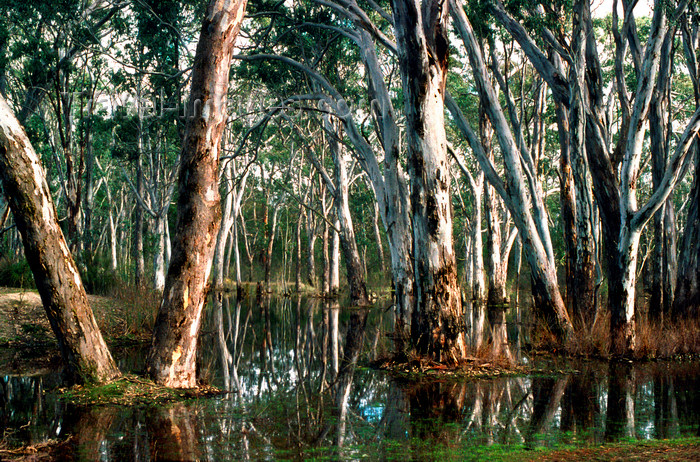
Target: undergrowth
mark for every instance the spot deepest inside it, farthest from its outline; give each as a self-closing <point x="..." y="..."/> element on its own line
<point x="671" y="339"/>
<point x="137" y="309"/>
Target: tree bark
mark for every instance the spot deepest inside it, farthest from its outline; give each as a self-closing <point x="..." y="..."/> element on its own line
<point x="83" y="349"/>
<point x="335" y="261"/>
<point x="339" y="189"/>
<point x="513" y="190"/>
<point x="438" y="322"/>
<point x="137" y="250"/>
<point x="686" y="303"/>
<point x="172" y="358"/>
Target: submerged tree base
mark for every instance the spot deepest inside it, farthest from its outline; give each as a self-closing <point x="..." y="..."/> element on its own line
<point x="131" y="390"/>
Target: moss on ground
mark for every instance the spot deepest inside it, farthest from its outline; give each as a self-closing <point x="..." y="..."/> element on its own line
<point x="130" y="390"/>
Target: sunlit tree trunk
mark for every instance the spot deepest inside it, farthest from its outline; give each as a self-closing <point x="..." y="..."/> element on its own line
<point x="137" y="243"/>
<point x="335" y="260"/>
<point x="56" y="276"/>
<point x="422" y="42"/>
<point x="172" y="358"/>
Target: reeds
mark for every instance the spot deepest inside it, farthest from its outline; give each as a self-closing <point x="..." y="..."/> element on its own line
<point x="654" y="339"/>
<point x="137" y="308"/>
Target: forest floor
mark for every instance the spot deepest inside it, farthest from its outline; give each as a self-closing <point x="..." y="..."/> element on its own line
<point x="683" y="449"/>
<point x="29" y="345"/>
<point x="686" y="449"/>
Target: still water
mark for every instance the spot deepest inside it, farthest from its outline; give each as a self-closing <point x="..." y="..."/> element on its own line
<point x="292" y="396"/>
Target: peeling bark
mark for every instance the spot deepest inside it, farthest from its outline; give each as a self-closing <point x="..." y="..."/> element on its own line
<point x="172" y="358"/>
<point x="438" y="323"/>
<point x="83" y="349"/>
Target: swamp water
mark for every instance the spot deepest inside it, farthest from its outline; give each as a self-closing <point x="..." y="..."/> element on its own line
<point x="291" y="398"/>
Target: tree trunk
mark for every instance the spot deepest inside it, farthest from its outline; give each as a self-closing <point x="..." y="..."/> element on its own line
<point x="438" y="321"/>
<point x="582" y="291"/>
<point x="664" y="263"/>
<point x="137" y="250"/>
<point x="686" y="303"/>
<point x="339" y="188"/>
<point x="348" y="242"/>
<point x="311" y="239"/>
<point x="270" y="245"/>
<point x="378" y="238"/>
<point x="172" y="359"/>
<point x="297" y="275"/>
<point x="390" y="190"/>
<point x="62" y="293"/>
<point x="159" y="255"/>
<point x="335" y="261"/>
<point x="326" y="280"/>
<point x="512" y="189"/>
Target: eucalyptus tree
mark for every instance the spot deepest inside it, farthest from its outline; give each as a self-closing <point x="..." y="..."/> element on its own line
<point x="339" y="187"/>
<point x="83" y="349"/>
<point x="421" y="30"/>
<point x="686" y="300"/>
<point x="152" y="42"/>
<point x="388" y="176"/>
<point x="172" y="358"/>
<point x="234" y="177"/>
<point x="622" y="216"/>
<point x="519" y="191"/>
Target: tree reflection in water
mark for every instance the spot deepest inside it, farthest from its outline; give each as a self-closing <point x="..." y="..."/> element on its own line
<point x="290" y="398"/>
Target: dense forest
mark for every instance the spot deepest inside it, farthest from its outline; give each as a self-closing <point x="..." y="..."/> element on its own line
<point x="467" y="157"/>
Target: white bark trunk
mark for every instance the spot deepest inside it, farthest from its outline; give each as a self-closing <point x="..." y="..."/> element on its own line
<point x="335" y="260"/>
<point x="159" y="256"/>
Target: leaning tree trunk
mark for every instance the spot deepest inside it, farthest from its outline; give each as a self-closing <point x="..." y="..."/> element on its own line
<point x="172" y="359"/>
<point x="55" y="273"/>
<point x="422" y="41"/>
<point x="513" y="190"/>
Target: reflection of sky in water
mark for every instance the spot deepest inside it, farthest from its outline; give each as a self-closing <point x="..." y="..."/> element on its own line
<point x="278" y="412"/>
<point x="372" y="414"/>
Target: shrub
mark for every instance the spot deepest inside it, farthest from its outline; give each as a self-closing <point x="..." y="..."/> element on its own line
<point x="97" y="276"/>
<point x="16" y="274"/>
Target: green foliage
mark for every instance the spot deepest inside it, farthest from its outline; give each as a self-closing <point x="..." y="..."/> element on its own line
<point x="126" y="135"/>
<point x="96" y="273"/>
<point x="16" y="274"/>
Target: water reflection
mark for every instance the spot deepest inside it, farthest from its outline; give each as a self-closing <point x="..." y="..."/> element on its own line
<point x="296" y="391"/>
